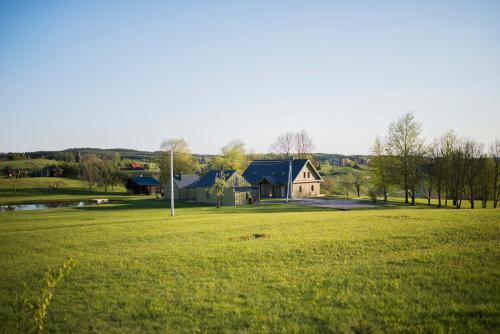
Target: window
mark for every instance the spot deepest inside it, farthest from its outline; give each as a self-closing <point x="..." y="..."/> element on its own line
<point x="312" y="187"/>
<point x="300" y="189"/>
<point x="236" y="181"/>
<point x="308" y="174"/>
<point x="304" y="175"/>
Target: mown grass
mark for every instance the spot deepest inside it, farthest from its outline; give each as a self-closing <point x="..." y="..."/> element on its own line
<point x="316" y="270"/>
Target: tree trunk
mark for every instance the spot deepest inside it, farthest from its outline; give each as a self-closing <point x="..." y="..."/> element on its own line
<point x="406" y="183"/>
<point x="219" y="200"/>
<point x="385" y="194"/>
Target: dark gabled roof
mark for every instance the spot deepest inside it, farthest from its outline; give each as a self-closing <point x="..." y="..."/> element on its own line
<point x="208" y="179"/>
<point x="55" y="169"/>
<point x="270" y="179"/>
<point x="185" y="180"/>
<point x="274" y="171"/>
<point x="145" y="181"/>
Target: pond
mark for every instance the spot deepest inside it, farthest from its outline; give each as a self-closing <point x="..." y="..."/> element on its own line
<point x="43" y="206"/>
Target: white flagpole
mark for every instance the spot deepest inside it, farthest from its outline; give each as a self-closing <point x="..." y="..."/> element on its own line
<point x="288" y="192"/>
<point x="172" y="182"/>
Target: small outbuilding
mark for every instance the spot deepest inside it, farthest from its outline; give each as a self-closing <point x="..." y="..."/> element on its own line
<point x="54" y="171"/>
<point x="181" y="187"/>
<point x="143" y="185"/>
<point x="237" y="192"/>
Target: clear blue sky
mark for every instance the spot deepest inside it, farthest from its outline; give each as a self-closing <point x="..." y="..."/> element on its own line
<point x="129" y="74"/>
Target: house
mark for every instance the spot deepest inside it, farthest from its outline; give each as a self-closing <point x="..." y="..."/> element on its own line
<point x="135" y="166"/>
<point x="237" y="192"/>
<point x="181" y="189"/>
<point x="143" y="185"/>
<point x="271" y="178"/>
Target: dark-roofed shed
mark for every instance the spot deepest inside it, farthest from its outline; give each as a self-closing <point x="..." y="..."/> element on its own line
<point x="143" y="185"/>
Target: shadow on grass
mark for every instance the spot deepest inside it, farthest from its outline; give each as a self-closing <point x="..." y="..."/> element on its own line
<point x="144" y="204"/>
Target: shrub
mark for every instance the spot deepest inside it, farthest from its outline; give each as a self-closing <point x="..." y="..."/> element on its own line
<point x="32" y="314"/>
<point x="372" y="193"/>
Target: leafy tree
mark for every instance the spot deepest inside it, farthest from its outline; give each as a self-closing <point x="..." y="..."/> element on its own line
<point x="232" y="157"/>
<point x="219" y="187"/>
<point x="407" y="146"/>
<point x="105" y="174"/>
<point x="380" y="165"/>
<point x="117" y="160"/>
<point x="183" y="160"/>
<point x="357" y="182"/>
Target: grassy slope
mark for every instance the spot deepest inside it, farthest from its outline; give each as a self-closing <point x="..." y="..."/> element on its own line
<point x="400" y="270"/>
<point x="39" y="189"/>
<point x="28" y="163"/>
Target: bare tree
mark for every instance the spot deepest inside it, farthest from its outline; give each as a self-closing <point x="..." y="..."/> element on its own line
<point x="303" y="144"/>
<point x="283" y="145"/>
<point x="405" y="144"/>
<point x="90" y="170"/>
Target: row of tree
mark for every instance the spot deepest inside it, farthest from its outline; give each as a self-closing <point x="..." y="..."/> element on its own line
<point x="103" y="172"/>
<point x="449" y="168"/>
<point x="233" y="155"/>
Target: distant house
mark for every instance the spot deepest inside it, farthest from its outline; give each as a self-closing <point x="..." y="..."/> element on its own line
<point x="135" y="166"/>
<point x="54" y="171"/>
<point x="143" y="185"/>
<point x="238" y="191"/>
<point x="181" y="187"/>
<point x="271" y="178"/>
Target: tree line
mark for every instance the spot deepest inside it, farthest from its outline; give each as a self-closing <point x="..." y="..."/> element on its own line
<point x="450" y="168"/>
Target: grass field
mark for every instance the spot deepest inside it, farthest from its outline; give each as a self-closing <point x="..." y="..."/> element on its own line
<point x="262" y="268"/>
<point x="40" y="189"/>
<point x="27" y="164"/>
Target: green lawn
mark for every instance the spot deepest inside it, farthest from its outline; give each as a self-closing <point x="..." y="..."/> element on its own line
<point x="313" y="270"/>
<point x="41" y="189"/>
